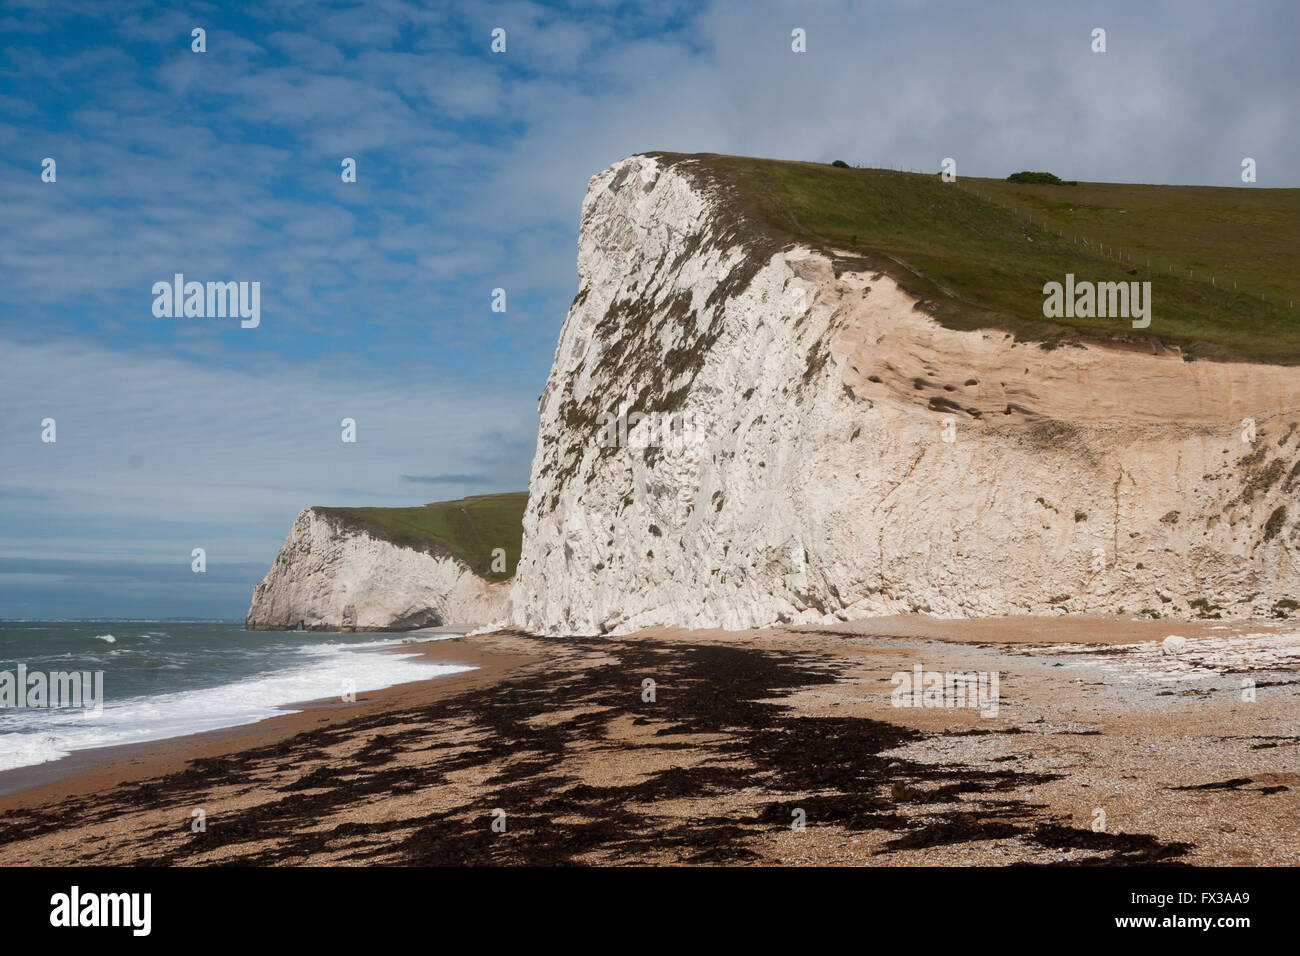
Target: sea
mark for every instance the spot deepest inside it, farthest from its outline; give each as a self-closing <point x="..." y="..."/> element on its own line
<point x="168" y="678"/>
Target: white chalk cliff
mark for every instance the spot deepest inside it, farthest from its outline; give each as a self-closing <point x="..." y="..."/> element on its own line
<point x="856" y="458"/>
<point x="334" y="578"/>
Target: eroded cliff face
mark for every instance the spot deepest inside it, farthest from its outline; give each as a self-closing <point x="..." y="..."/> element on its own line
<point x="850" y="457"/>
<point x="331" y="578"/>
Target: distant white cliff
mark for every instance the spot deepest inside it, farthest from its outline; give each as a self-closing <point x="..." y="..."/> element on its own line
<point x="331" y="578"/>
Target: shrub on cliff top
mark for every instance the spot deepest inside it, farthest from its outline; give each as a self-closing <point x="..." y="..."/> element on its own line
<point x="1040" y="179"/>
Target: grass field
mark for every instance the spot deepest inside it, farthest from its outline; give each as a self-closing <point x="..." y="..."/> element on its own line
<point x="469" y="528"/>
<point x="980" y="265"/>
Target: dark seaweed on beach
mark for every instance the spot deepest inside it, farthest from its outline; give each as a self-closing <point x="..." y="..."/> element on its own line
<point x="725" y="701"/>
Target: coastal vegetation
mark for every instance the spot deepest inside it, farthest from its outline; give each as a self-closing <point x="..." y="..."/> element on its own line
<point x="467" y="528"/>
<point x="1222" y="260"/>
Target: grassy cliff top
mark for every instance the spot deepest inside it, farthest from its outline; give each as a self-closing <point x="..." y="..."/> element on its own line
<point x="469" y="528"/>
<point x="978" y="251"/>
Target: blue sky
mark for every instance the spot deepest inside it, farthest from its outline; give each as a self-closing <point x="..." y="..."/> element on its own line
<point x="471" y="165"/>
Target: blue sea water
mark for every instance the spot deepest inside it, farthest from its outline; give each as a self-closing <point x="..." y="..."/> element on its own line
<point x="166" y="678"/>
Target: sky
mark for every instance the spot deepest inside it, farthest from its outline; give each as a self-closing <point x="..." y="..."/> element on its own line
<point x="176" y="433"/>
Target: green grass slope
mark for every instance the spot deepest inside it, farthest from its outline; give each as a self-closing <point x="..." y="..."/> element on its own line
<point x="978" y="251"/>
<point x="469" y="528"/>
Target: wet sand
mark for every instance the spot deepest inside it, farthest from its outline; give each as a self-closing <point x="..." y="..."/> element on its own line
<point x="1103" y="750"/>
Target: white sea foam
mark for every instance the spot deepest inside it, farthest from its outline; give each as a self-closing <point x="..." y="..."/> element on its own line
<point x="106" y="638"/>
<point x="318" y="671"/>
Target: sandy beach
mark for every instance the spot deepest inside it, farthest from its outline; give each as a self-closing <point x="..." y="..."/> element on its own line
<point x="1103" y="749"/>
